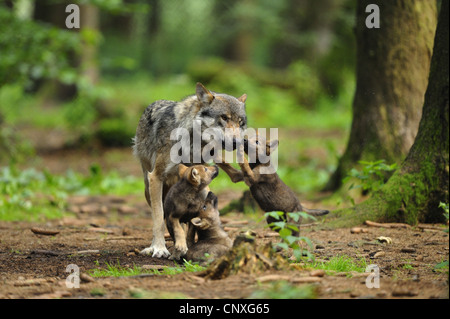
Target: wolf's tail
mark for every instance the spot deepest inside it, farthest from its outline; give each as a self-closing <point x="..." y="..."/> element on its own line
<point x="315" y="212"/>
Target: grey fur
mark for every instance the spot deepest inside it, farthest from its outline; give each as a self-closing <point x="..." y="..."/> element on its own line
<point x="152" y="144"/>
<point x="212" y="239"/>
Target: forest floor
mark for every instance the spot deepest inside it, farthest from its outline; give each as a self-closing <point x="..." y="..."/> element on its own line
<point x="109" y="230"/>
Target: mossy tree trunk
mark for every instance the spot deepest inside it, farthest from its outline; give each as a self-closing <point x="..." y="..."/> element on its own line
<point x="413" y="193"/>
<point x="392" y="74"/>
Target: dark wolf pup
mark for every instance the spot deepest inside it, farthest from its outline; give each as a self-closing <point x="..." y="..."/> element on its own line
<point x="184" y="200"/>
<point x="212" y="239"/>
<point x="152" y="144"/>
<point x="268" y="190"/>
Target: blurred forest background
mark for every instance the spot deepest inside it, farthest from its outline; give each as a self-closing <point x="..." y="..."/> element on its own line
<point x="70" y="99"/>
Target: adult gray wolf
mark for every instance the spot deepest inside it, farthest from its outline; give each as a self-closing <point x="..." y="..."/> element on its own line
<point x="152" y="144"/>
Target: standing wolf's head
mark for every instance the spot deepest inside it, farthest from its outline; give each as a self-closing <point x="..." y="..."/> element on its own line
<point x="223" y="114"/>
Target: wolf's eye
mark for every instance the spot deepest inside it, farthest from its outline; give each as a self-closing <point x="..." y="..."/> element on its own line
<point x="206" y="169"/>
<point x="224" y="117"/>
<point x="204" y="207"/>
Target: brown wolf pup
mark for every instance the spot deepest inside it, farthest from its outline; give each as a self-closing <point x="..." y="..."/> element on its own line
<point x="184" y="200"/>
<point x="212" y="239"/>
<point x="153" y="144"/>
<point x="268" y="190"/>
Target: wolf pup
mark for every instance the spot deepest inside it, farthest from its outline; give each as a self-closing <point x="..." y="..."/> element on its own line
<point x="212" y="239"/>
<point x="184" y="200"/>
<point x="268" y="190"/>
<point x="152" y="144"/>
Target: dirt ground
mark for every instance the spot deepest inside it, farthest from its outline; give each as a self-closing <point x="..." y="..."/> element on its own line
<point x="110" y="229"/>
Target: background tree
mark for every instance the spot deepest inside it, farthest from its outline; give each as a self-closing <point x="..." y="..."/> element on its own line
<point x="392" y="73"/>
<point x="415" y="190"/>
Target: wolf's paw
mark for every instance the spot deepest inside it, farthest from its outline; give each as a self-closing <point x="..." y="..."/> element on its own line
<point x="177" y="254"/>
<point x="157" y="252"/>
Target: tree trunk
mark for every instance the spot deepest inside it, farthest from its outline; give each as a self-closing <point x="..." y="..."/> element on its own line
<point x="90" y="16"/>
<point x="243" y="41"/>
<point x="413" y="193"/>
<point x="392" y="75"/>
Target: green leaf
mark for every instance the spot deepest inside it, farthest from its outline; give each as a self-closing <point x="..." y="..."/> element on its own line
<point x="292" y="227"/>
<point x="307" y="241"/>
<point x="291" y="239"/>
<point x="276" y="215"/>
<point x="298" y="254"/>
<point x="295" y="216"/>
<point x="278" y="225"/>
<point x="282" y="245"/>
<point x="285" y="232"/>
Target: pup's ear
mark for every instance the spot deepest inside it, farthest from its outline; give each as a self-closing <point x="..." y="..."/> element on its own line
<point x="212" y="198"/>
<point x="196" y="221"/>
<point x="243" y="98"/>
<point x="203" y="94"/>
<point x="194" y="177"/>
<point x="215" y="202"/>
<point x="181" y="169"/>
<point x="200" y="223"/>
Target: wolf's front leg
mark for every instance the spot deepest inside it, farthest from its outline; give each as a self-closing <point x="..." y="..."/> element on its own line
<point x="158" y="247"/>
<point x="235" y="175"/>
<point x="180" y="247"/>
<point x="248" y="175"/>
<point x="190" y="235"/>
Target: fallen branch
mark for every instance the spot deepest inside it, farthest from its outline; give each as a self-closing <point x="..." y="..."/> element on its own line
<point x="387" y="225"/>
<point x="45" y="252"/>
<point x="101" y="230"/>
<point x="85" y="252"/>
<point x="112" y="238"/>
<point x="430" y="227"/>
<point x="122" y="238"/>
<point x="45" y="232"/>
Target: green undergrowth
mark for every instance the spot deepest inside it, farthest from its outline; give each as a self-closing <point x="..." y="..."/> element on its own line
<point x="117" y="270"/>
<point x="404" y="198"/>
<point x="340" y="263"/>
<point x="34" y="195"/>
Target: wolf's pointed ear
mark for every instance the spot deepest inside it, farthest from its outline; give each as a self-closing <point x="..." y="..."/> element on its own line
<point x="203" y="94"/>
<point x="243" y="98"/>
<point x="200" y="223"/>
<point x="196" y="221"/>
<point x="181" y="169"/>
<point x="194" y="178"/>
<point x="212" y="198"/>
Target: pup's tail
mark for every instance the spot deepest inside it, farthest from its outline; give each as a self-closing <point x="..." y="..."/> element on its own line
<point x="315" y="212"/>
